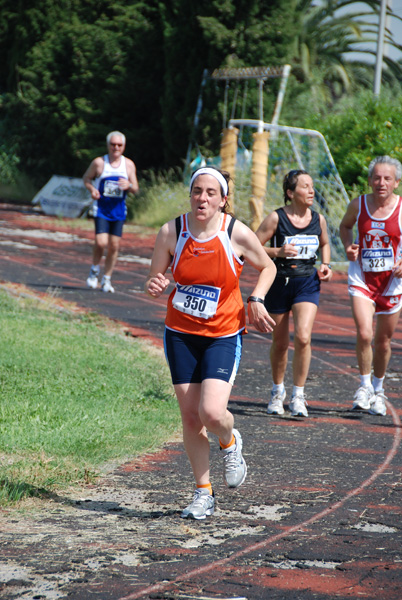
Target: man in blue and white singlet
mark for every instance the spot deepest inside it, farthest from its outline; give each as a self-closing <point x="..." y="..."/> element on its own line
<point x="109" y="178"/>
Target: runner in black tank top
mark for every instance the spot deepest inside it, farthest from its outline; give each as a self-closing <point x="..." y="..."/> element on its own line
<point x="297" y="233"/>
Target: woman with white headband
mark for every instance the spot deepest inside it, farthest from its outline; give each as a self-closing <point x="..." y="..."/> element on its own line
<point x="205" y="321"/>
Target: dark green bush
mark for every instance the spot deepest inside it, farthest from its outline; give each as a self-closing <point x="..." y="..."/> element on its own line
<point x="361" y="130"/>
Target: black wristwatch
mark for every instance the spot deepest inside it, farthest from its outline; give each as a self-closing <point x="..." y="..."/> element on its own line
<point x="255" y="299"/>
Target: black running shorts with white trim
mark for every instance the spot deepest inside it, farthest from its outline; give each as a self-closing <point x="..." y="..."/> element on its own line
<point x="193" y="358"/>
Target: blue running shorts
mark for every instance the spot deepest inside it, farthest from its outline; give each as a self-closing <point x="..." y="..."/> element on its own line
<point x="286" y="291"/>
<point x="111" y="227"/>
<point x="193" y="358"/>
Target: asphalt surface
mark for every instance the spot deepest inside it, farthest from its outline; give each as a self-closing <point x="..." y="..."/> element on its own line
<point x="319" y="515"/>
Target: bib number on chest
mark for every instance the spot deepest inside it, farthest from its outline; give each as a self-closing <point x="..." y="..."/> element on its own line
<point x="377" y="260"/>
<point x="306" y="246"/>
<point x="197" y="300"/>
<point x="111" y="189"/>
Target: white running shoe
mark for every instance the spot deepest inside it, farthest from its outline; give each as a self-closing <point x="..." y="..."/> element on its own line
<point x="362" y="398"/>
<point x="92" y="281"/>
<point x="298" y="405"/>
<point x="234" y="465"/>
<point x="203" y="505"/>
<point x="275" y="406"/>
<point x="377" y="404"/>
<point x="107" y="285"/>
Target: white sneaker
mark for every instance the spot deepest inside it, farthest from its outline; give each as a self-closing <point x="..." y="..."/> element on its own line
<point x="297" y="406"/>
<point x="363" y="397"/>
<point x="377" y="404"/>
<point x="107" y="285"/>
<point x="275" y="406"/>
<point x="92" y="281"/>
<point x="234" y="465"/>
<point x="202" y="506"/>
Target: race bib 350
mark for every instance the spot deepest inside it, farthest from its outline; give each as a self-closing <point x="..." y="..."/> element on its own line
<point x="197" y="300"/>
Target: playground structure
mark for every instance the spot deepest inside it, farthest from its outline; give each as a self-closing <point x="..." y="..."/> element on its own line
<point x="292" y="148"/>
<point x="229" y="140"/>
<point x="258" y="155"/>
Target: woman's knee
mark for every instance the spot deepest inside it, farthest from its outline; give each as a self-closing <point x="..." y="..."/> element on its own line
<point x="191" y="421"/>
<point x="212" y="418"/>
<point x="303" y="338"/>
<point x="280" y="346"/>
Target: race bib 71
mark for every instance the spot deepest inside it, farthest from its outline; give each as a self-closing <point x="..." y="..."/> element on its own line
<point x="306" y="245"/>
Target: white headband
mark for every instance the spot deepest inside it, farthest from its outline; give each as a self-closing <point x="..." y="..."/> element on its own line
<point x="214" y="173"/>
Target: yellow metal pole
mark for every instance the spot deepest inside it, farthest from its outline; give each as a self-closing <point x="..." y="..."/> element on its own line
<point x="259" y="169"/>
<point x="228" y="153"/>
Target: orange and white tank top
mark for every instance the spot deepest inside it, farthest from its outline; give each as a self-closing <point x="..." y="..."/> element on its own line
<point x="380" y="243"/>
<point x="206" y="299"/>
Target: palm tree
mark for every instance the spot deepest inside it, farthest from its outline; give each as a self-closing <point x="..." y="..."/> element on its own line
<point x="327" y="36"/>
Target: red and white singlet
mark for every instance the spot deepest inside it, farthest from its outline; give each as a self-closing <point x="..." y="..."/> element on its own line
<point x="206" y="299"/>
<point x="380" y="242"/>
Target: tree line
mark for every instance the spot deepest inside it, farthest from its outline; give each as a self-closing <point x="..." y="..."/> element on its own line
<point x="71" y="71"/>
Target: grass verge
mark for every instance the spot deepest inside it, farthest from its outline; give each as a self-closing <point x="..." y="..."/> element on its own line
<point x="164" y="196"/>
<point x="76" y="394"/>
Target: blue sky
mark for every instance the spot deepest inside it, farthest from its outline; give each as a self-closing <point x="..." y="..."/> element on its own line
<point x="396" y="27"/>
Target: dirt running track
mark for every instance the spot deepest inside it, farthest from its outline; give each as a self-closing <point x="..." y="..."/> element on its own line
<point x="319" y="516"/>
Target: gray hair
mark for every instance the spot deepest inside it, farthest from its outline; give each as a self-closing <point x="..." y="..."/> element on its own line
<point x="386" y="160"/>
<point x="112" y="133"/>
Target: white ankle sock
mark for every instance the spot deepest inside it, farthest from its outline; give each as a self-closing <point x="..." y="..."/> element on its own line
<point x="297" y="390"/>
<point x="378" y="384"/>
<point x="365" y="380"/>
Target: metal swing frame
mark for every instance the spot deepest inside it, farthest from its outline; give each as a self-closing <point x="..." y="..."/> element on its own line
<point x="261" y="74"/>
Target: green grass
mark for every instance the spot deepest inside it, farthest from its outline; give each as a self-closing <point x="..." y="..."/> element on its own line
<point x="76" y="395"/>
<point x="163" y="197"/>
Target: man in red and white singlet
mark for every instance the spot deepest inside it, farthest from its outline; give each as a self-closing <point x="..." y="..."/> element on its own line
<point x="375" y="276"/>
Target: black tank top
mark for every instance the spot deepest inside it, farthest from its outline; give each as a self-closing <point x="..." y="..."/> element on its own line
<point x="307" y="240"/>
